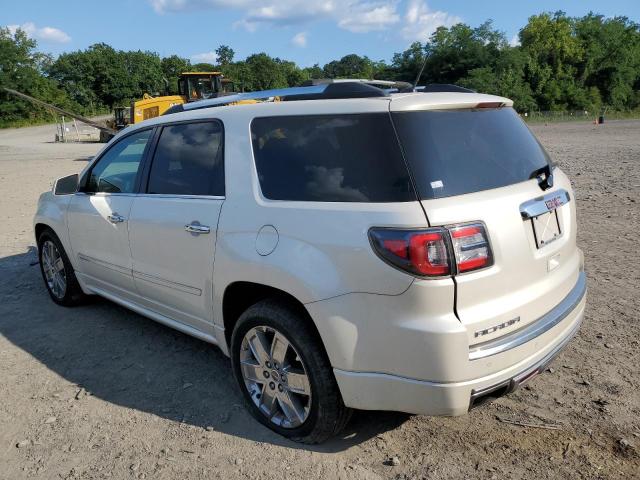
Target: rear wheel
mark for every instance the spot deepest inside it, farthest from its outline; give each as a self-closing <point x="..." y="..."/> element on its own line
<point x="284" y="374"/>
<point x="57" y="272"/>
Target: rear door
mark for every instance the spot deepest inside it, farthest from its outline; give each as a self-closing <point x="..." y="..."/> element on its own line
<point x="172" y="227"/>
<point x="484" y="165"/>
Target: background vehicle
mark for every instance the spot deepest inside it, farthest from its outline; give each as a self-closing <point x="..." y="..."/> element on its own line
<point x="192" y="86"/>
<point x="310" y="240"/>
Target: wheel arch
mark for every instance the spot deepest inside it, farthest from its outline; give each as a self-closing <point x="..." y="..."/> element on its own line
<point x="240" y="295"/>
<point x="41" y="227"/>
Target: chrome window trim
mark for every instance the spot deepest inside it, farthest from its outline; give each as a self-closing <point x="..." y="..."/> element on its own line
<point x="152" y="195"/>
<point x="536" y="328"/>
<point x="537" y="206"/>
<point x="184" y="197"/>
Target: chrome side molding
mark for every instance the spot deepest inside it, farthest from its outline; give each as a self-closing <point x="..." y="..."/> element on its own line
<point x="546" y="203"/>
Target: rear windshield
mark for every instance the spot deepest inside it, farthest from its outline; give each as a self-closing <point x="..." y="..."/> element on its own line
<point x="453" y="152"/>
<point x="330" y="158"/>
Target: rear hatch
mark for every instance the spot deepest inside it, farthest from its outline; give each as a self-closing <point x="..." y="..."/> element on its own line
<point x="483" y="165"/>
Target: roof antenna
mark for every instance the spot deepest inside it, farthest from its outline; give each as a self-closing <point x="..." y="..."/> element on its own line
<point x="424" y="64"/>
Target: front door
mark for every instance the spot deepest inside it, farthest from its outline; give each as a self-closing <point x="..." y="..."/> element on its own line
<point x="172" y="226"/>
<point x="98" y="217"/>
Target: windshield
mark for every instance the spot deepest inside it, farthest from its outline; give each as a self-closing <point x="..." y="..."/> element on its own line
<point x="201" y="87"/>
<point x="453" y="152"/>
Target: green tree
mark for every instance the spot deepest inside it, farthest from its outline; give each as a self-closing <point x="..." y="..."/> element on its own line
<point x="311" y="73"/>
<point x="108" y="77"/>
<point x="225" y="54"/>
<point x="553" y="52"/>
<point x="172" y="67"/>
<point x="21" y="69"/>
<point x="350" y="66"/>
<point x="264" y="73"/>
<point x="610" y="66"/>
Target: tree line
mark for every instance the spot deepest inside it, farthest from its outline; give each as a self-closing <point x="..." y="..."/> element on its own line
<point x="559" y="63"/>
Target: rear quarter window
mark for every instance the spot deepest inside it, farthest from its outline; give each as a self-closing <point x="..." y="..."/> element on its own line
<point x="330" y="158"/>
<point x="453" y="152"/>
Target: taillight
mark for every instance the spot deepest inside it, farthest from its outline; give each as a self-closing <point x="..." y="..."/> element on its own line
<point x="434" y="252"/>
<point x="470" y="247"/>
<point x="421" y="252"/>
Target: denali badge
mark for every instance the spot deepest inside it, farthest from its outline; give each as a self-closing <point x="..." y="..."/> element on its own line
<point x="487" y="331"/>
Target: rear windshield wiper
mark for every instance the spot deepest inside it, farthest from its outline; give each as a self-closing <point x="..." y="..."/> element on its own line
<point x="544" y="176"/>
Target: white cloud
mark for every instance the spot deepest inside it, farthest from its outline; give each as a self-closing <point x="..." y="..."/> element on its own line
<point x="515" y="40"/>
<point x="164" y="6"/>
<point x="300" y="39"/>
<point x="353" y="15"/>
<point x="45" y="34"/>
<point x="366" y="17"/>
<point x="420" y="21"/>
<point x="205" y="57"/>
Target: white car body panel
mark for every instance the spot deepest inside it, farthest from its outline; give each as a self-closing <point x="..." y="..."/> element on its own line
<point x="395" y="342"/>
<point x="173" y="269"/>
<point x="99" y="247"/>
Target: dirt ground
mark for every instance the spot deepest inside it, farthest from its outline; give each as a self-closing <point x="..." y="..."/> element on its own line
<point x="100" y="392"/>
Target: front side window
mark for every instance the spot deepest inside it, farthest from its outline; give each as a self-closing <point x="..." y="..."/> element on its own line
<point x="117" y="170"/>
<point x="330" y="158"/>
<point x="189" y="160"/>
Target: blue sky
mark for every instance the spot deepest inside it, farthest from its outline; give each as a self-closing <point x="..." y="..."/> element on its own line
<point x="306" y="31"/>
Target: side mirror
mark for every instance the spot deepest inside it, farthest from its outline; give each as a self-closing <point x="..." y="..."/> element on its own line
<point x="66" y="185"/>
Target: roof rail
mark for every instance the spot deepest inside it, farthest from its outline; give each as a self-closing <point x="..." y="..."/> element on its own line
<point x="383" y="84"/>
<point x="314" y="92"/>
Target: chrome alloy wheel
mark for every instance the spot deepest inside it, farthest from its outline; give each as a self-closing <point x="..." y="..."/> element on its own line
<point x="275" y="377"/>
<point x="53" y="268"/>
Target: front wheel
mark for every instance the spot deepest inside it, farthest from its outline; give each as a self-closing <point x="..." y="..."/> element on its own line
<point x="284" y="374"/>
<point x="57" y="271"/>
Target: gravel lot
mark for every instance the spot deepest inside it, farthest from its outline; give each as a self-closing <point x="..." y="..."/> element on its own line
<point x="100" y="392"/>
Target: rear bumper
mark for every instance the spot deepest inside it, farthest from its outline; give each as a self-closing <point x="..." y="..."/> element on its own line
<point x="501" y="375"/>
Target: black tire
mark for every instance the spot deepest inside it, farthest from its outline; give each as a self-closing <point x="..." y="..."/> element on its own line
<point x="73" y="294"/>
<point x="327" y="413"/>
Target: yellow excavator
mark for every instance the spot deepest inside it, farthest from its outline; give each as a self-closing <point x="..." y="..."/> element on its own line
<point x="192" y="86"/>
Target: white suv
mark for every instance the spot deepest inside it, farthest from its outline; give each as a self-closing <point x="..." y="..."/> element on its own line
<point x="347" y="247"/>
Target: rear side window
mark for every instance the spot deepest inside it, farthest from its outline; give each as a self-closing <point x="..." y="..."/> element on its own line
<point x="330" y="158"/>
<point x="453" y="152"/>
<point x="188" y="160"/>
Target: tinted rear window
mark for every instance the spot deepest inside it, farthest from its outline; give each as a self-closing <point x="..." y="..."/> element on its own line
<point x="330" y="158"/>
<point x="452" y="152"/>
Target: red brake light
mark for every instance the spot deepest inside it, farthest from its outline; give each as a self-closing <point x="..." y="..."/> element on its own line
<point x="428" y="253"/>
<point x="397" y="247"/>
<point x="489" y="105"/>
<point x="431" y="252"/>
<point x="419" y="252"/>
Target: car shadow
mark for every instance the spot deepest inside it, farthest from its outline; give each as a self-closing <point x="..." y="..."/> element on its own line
<point x="128" y="360"/>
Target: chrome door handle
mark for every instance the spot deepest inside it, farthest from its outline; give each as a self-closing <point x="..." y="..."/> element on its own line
<point x="195" y="227"/>
<point x="115" y="218"/>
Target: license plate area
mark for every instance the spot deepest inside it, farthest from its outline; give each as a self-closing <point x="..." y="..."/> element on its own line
<point x="546" y="228"/>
